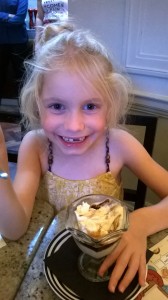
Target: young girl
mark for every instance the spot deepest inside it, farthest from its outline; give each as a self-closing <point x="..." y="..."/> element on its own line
<point x="74" y="100"/>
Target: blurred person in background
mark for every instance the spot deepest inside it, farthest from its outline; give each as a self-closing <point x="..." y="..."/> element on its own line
<point x="49" y="12"/>
<point x="13" y="42"/>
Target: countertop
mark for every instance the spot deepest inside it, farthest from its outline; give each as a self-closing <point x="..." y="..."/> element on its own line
<point x="16" y="257"/>
<point x="35" y="285"/>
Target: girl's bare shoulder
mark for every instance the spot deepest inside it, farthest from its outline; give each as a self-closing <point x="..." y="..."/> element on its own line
<point x="118" y="135"/>
<point x="34" y="146"/>
<point x="123" y="141"/>
<point x="35" y="136"/>
<point x="34" y="140"/>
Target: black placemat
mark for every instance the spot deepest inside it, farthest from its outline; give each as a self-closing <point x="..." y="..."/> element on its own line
<point x="63" y="264"/>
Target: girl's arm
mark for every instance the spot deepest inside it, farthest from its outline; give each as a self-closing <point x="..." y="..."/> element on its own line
<point x="131" y="250"/>
<point x="17" y="199"/>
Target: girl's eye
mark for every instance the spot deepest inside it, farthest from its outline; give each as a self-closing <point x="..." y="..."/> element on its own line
<point x="57" y="106"/>
<point x="90" y="106"/>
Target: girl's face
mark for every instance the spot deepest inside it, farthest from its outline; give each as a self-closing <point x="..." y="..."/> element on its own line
<point x="73" y="115"/>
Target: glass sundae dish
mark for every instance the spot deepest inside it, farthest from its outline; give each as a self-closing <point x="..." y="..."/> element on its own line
<point x="96" y="223"/>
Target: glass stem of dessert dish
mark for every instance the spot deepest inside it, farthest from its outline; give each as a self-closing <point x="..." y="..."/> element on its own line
<point x="96" y="223"/>
<point x="89" y="266"/>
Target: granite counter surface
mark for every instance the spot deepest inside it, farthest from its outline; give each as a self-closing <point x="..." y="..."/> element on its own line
<point x="35" y="285"/>
<point x="16" y="256"/>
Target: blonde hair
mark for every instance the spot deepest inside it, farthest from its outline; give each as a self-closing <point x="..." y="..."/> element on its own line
<point x="63" y="47"/>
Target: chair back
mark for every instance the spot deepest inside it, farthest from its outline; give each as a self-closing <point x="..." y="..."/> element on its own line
<point x="137" y="196"/>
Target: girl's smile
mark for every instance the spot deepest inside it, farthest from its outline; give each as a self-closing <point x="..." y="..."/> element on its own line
<point x="72" y="140"/>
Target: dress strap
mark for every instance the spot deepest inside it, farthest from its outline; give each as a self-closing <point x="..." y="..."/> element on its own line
<point x="107" y="156"/>
<point x="50" y="155"/>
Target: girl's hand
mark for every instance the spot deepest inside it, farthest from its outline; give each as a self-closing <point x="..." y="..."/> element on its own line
<point x="129" y="255"/>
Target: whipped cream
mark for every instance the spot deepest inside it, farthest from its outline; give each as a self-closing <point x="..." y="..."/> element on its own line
<point x="100" y="221"/>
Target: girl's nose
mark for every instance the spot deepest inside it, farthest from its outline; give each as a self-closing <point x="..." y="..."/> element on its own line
<point x="74" y="122"/>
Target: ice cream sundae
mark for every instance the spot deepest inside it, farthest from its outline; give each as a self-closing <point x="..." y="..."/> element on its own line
<point x="96" y="223"/>
<point x="98" y="220"/>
